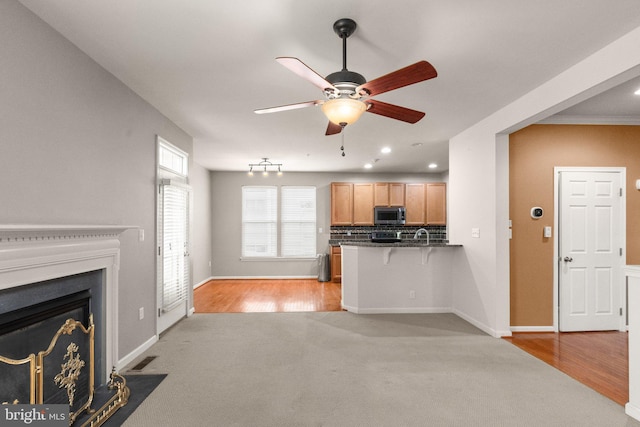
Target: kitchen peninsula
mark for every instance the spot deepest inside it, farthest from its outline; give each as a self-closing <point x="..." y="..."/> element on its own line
<point x="409" y="276"/>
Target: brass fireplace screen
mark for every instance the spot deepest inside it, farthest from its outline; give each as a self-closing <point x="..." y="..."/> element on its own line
<point x="64" y="373"/>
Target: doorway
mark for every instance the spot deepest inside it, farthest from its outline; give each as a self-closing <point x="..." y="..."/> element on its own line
<point x="174" y="291"/>
<point x="589" y="249"/>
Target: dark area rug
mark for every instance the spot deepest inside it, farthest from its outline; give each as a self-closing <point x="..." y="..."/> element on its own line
<point x="140" y="386"/>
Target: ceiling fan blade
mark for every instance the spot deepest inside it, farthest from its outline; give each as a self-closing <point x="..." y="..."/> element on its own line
<point x="303" y="70"/>
<point x="333" y="129"/>
<point x="394" y="111"/>
<point x="406" y="76"/>
<point x="288" y="107"/>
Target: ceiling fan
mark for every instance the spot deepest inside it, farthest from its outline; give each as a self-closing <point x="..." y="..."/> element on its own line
<point x="348" y="93"/>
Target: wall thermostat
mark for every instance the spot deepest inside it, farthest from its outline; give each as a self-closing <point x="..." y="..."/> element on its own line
<point x="536" y="212"/>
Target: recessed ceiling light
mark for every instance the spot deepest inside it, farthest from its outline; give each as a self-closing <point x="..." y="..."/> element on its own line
<point x="432" y="165"/>
<point x="385" y="150"/>
<point x="637" y="92"/>
<point x="368" y="166"/>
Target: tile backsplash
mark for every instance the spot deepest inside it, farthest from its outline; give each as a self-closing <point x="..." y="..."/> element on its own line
<point x="437" y="233"/>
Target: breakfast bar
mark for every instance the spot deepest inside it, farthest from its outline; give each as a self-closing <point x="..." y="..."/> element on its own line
<point x="402" y="277"/>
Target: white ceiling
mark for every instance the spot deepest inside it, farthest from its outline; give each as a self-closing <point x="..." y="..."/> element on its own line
<point x="207" y="65"/>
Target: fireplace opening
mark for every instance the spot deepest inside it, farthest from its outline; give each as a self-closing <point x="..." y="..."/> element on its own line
<point x="34" y="323"/>
<point x="29" y="331"/>
<point x="30" y="317"/>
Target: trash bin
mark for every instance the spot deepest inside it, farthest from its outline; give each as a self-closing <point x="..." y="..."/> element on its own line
<point x="324" y="270"/>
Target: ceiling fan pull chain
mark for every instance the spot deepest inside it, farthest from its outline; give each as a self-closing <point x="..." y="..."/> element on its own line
<point x="342" y="146"/>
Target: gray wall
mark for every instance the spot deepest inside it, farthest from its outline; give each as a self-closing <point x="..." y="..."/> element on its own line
<point x="226" y="201"/>
<point x="200" y="181"/>
<point x="78" y="147"/>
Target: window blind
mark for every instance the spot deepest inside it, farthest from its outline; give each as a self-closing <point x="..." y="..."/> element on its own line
<point x="259" y="221"/>
<point x="298" y="221"/>
<point x="175" y="245"/>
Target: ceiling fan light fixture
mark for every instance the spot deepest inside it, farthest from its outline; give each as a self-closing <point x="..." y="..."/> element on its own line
<point x="343" y="111"/>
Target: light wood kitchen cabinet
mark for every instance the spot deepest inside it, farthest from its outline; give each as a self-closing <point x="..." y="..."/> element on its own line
<point x="437" y="203"/>
<point x="388" y="194"/>
<point x="353" y="203"/>
<point x="363" y="203"/>
<point x="415" y="203"/>
<point x="336" y="264"/>
<point x="341" y="203"/>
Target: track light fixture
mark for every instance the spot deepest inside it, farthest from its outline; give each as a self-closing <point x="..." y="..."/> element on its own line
<point x="266" y="167"/>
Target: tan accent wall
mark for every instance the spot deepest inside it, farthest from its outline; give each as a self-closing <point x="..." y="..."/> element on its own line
<point x="533" y="153"/>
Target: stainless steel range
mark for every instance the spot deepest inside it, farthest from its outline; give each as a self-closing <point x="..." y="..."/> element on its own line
<point x="385" y="236"/>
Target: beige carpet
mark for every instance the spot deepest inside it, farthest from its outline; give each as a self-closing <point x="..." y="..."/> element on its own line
<point x="342" y="369"/>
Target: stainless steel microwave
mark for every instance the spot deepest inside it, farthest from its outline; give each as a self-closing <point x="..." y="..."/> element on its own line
<point x="394" y="215"/>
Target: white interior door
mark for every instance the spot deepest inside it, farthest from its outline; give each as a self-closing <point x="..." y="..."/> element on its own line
<point x="173" y="265"/>
<point x="173" y="255"/>
<point x="590" y="251"/>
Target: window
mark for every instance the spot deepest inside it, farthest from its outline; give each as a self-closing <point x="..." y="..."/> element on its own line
<point x="298" y="221"/>
<point x="259" y="221"/>
<point x="263" y="222"/>
<point x="172" y="159"/>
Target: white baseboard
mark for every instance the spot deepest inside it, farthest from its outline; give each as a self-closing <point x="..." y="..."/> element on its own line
<point x="261" y="277"/>
<point x="532" y="329"/>
<point x="122" y="363"/>
<point x="197" y="285"/>
<point x="484" y="328"/>
<point x="402" y="310"/>
<point x="632" y="410"/>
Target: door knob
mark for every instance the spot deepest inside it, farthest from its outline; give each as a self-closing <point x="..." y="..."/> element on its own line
<point x="568" y="259"/>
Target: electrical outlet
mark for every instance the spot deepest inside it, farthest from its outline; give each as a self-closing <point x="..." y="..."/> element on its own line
<point x="141" y="313"/>
<point x="141" y="234"/>
<point x="412" y="294"/>
<point x="475" y="233"/>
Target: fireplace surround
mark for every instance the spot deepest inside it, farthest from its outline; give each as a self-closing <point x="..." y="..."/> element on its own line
<point x="36" y="254"/>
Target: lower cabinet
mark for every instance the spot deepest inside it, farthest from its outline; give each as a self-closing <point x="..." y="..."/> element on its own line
<point x="336" y="264"/>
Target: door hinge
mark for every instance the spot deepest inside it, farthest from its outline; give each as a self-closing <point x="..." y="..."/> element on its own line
<point x="159" y="312"/>
<point x="158" y="250"/>
<point x="620" y="191"/>
<point x="620" y="251"/>
<point x="620" y="311"/>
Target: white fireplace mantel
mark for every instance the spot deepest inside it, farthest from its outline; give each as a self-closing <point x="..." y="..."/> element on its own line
<point x="35" y="253"/>
<point x="16" y="233"/>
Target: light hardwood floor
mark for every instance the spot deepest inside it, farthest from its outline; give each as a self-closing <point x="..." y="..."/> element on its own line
<point x="596" y="359"/>
<point x="258" y="295"/>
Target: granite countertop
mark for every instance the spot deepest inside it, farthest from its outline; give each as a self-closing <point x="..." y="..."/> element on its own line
<point x="405" y="243"/>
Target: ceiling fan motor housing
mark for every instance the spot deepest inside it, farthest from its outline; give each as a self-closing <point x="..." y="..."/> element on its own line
<point x="346" y="81"/>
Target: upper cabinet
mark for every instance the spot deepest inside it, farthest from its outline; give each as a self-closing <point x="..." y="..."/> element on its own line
<point x="437" y="203"/>
<point x="353" y="203"/>
<point x="341" y="203"/>
<point x="415" y="202"/>
<point x="388" y="194"/>
<point x="363" y="203"/>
